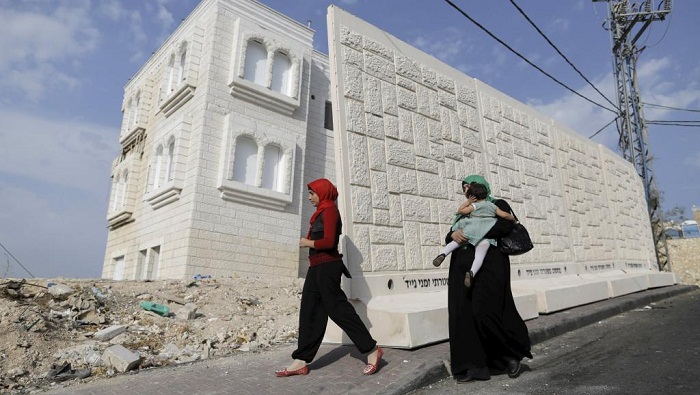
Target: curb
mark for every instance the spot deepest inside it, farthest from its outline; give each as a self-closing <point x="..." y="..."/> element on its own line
<point x="576" y="318"/>
<point x="423" y="375"/>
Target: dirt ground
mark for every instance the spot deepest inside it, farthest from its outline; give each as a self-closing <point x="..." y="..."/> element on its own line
<point x="208" y="318"/>
<point x="43" y="324"/>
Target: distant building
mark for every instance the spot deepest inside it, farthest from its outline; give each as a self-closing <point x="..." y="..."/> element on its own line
<point x="689" y="229"/>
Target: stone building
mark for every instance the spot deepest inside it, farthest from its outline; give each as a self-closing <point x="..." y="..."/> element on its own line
<point x="232" y="116"/>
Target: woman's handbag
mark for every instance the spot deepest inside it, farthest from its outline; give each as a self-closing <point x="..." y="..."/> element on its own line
<point x="518" y="240"/>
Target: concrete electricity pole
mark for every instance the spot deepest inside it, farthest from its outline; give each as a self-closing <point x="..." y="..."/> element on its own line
<point x="627" y="21"/>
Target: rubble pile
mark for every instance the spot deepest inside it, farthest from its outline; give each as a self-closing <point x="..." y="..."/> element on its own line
<point x="62" y="331"/>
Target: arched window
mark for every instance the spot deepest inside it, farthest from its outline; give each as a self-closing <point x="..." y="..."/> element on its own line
<point x="115" y="194"/>
<point x="256" y="62"/>
<point x="245" y="160"/>
<point x="122" y="188"/>
<point x="135" y="112"/>
<point x="281" y="73"/>
<point x="170" y="161"/>
<point x="183" y="59"/>
<point x="272" y="169"/>
<point x="159" y="165"/>
<point x="128" y="114"/>
<point x="171" y="75"/>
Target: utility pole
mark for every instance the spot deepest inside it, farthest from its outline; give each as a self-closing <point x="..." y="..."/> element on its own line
<point x="627" y="21"/>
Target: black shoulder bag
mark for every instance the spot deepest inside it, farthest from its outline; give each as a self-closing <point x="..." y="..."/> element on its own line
<point x="518" y="240"/>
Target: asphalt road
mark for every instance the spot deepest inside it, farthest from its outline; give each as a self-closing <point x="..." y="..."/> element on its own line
<point x="650" y="350"/>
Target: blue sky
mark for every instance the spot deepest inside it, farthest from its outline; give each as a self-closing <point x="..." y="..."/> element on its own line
<point x="64" y="63"/>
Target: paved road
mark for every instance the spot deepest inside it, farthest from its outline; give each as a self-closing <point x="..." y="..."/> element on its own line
<point x="649" y="350"/>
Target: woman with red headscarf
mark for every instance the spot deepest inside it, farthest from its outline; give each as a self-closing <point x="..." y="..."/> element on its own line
<point x="322" y="296"/>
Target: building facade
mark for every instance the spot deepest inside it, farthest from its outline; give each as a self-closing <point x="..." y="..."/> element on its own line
<point x="220" y="126"/>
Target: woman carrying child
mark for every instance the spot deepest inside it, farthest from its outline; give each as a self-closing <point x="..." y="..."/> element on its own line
<point x="475" y="217"/>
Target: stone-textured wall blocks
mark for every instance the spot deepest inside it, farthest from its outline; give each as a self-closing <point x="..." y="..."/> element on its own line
<point x="440" y="125"/>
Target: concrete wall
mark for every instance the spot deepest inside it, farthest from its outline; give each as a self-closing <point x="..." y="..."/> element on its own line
<point x="413" y="127"/>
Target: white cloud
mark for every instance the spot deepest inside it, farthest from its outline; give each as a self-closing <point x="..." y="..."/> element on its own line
<point x="35" y="40"/>
<point x="112" y="9"/>
<point x="64" y="152"/>
<point x="164" y="16"/>
<point x="656" y="86"/>
<point x="559" y="26"/>
<point x="448" y="45"/>
<point x="582" y="116"/>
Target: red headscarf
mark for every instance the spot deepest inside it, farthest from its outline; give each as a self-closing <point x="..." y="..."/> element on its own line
<point x="327" y="194"/>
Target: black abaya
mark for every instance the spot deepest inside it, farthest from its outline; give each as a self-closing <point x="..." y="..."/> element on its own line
<point x="485" y="327"/>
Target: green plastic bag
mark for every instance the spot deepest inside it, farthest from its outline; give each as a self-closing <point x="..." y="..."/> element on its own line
<point x="159" y="309"/>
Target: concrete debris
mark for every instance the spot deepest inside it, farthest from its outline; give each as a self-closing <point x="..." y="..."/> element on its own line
<point x="121" y="358"/>
<point x="60" y="291"/>
<point x="187" y="312"/>
<point x="93" y="329"/>
<point x="109" y="332"/>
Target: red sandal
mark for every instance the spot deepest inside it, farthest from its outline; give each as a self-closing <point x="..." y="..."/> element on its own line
<point x="372" y="368"/>
<point x="286" y="373"/>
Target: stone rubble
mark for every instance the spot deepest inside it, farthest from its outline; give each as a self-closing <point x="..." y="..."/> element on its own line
<point x="55" y="332"/>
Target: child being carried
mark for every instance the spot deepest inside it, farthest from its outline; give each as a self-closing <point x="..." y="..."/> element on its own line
<point x="479" y="215"/>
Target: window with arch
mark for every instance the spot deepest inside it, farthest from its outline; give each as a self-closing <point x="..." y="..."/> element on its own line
<point x="178" y="84"/>
<point x="115" y="197"/>
<point x="123" y="183"/>
<point x="121" y="207"/>
<point x="245" y="160"/>
<point x="158" y="167"/>
<point x="167" y="163"/>
<point x="135" y="110"/>
<point x="171" y="82"/>
<point x="272" y="166"/>
<point x="170" y="160"/>
<point x="129" y="116"/>
<point x="257" y="163"/>
<point x="267" y="70"/>
<point x="281" y="73"/>
<point x="256" y="63"/>
<point x="182" y="65"/>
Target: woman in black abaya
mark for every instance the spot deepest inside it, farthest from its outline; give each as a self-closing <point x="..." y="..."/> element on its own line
<point x="486" y="329"/>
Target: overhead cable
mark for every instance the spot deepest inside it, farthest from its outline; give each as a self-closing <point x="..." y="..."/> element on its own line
<point x="669" y="107"/>
<point x="524" y="58"/>
<point x="16" y="260"/>
<point x="601" y="129"/>
<point x="560" y="53"/>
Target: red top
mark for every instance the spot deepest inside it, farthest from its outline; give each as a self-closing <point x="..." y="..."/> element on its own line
<point x="326" y="234"/>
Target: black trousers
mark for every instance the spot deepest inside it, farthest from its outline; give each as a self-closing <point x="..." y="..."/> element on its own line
<point x="322" y="298"/>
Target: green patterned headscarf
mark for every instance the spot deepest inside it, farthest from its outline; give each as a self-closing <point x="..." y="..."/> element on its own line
<point x="480" y="180"/>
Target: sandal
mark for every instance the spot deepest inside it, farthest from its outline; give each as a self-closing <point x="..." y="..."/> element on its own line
<point x="371" y="368"/>
<point x="286" y="373"/>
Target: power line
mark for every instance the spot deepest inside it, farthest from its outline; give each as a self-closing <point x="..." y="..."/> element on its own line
<point x="524" y="58"/>
<point x="672" y="123"/>
<point x="560" y="53"/>
<point x="16" y="260"/>
<point x="670" y="108"/>
<point x="670" y="18"/>
<point x="601" y="129"/>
